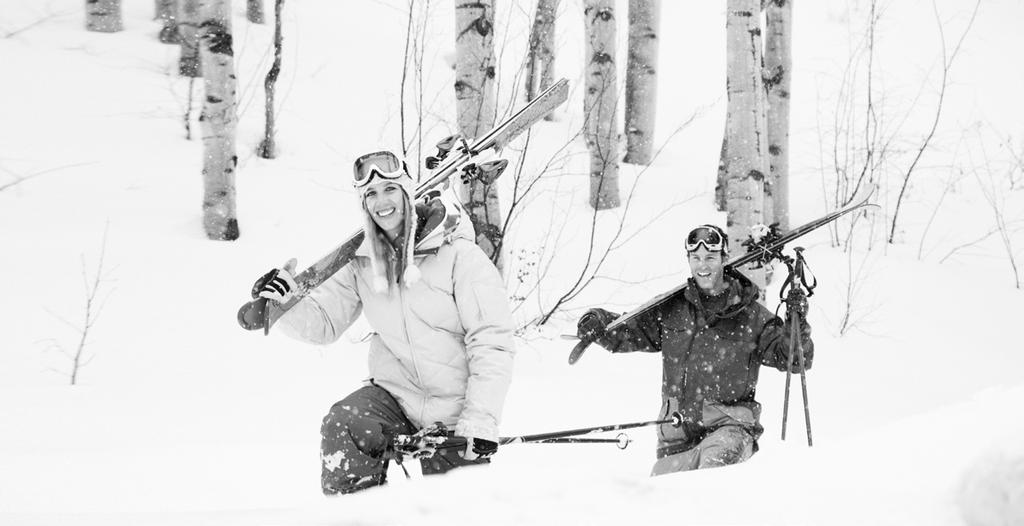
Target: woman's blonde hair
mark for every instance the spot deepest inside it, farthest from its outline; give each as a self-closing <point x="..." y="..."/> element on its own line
<point x="387" y="261"/>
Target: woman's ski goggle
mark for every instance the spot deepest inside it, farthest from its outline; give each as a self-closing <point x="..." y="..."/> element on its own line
<point x="380" y="164"/>
<point x="712" y="237"/>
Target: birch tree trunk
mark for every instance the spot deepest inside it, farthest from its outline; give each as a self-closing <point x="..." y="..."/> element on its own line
<point x="600" y="103"/>
<point x="474" y="103"/>
<point x="768" y="185"/>
<point x="540" y="64"/>
<point x="218" y="120"/>
<point x="642" y="79"/>
<point x="778" y="63"/>
<point x="746" y="141"/>
<point x="254" y="11"/>
<point x="268" y="148"/>
<point x="103" y="16"/>
<point x="723" y="171"/>
<point x="188" y="36"/>
<point x="167" y="13"/>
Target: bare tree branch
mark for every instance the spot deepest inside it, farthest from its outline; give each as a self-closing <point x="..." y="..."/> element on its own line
<point x="582" y="280"/>
<point x="45" y="18"/>
<point x="401" y="85"/>
<point x="21" y="179"/>
<point x="92" y="309"/>
<point x="947" y="64"/>
<point x="991" y="196"/>
<point x="957" y="248"/>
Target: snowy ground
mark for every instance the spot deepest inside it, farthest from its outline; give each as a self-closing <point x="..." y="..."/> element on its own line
<point x="180" y="418"/>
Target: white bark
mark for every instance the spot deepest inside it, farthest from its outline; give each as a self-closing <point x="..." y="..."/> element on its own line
<point x="103" y="16"/>
<point x="254" y="11"/>
<point x="600" y="103"/>
<point x="768" y="184"/>
<point x="746" y="142"/>
<point x="540" y="65"/>
<point x="218" y="120"/>
<point x="167" y="13"/>
<point x="723" y="171"/>
<point x="778" y="63"/>
<point x="475" y="68"/>
<point x="642" y="79"/>
<point x="188" y="33"/>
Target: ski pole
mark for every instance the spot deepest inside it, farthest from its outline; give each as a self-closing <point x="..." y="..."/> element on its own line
<point x="789" y="360"/>
<point x="794" y="299"/>
<point x="801" y="267"/>
<point x="676" y="420"/>
<point x="803" y="387"/>
<point x="622" y="441"/>
<point x="436" y="437"/>
<point x="797" y="346"/>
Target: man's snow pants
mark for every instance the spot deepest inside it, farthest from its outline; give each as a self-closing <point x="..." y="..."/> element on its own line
<point x="721" y="447"/>
<point x="355" y="437"/>
<point x="728" y="435"/>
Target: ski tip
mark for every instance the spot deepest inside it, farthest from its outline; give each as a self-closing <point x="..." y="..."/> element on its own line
<point x="863" y="195"/>
<point x="869" y="191"/>
<point x="251" y="315"/>
<point x="578" y="350"/>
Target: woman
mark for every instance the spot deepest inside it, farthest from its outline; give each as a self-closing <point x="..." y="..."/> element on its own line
<point x="442" y="349"/>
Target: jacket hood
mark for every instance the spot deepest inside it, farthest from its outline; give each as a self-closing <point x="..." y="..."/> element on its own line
<point x="440" y="219"/>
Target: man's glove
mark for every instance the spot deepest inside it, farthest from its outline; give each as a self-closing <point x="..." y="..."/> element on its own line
<point x="478" y="449"/>
<point x="800" y="307"/>
<point x="591" y="326"/>
<point x="807" y="347"/>
<point x="277" y="285"/>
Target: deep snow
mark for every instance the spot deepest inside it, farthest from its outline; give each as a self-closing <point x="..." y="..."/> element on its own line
<point x="182" y="418"/>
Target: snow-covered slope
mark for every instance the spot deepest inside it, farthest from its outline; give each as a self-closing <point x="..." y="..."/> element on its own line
<point x="181" y="418"/>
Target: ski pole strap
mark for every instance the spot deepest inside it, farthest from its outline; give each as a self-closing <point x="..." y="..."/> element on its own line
<point x="802" y="270"/>
<point x="798" y="270"/>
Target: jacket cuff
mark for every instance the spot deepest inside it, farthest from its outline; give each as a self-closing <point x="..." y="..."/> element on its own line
<point x="465" y="428"/>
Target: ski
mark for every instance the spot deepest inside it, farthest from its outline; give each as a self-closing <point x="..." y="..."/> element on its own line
<point x="762" y="251"/>
<point x="263" y="314"/>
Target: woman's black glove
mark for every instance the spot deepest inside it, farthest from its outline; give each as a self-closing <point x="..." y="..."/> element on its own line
<point x="478" y="449"/>
<point x="277" y="285"/>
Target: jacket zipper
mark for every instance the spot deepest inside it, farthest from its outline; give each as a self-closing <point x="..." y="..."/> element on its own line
<point x="686" y="360"/>
<point x="412" y="352"/>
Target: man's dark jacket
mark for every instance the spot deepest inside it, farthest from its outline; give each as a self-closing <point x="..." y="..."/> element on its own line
<point x="711" y="360"/>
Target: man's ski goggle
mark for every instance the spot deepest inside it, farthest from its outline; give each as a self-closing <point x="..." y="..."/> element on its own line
<point x="380" y="164"/>
<point x="712" y="237"/>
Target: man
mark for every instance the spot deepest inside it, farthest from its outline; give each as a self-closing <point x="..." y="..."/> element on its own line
<point x="713" y="339"/>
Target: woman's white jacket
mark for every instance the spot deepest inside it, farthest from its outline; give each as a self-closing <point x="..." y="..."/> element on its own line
<point x="442" y="346"/>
